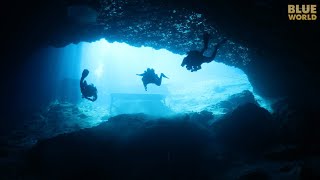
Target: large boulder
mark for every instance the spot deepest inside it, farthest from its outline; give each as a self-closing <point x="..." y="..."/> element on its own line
<point x="299" y="124"/>
<point x="249" y="127"/>
<point x="125" y="147"/>
<point x="236" y="100"/>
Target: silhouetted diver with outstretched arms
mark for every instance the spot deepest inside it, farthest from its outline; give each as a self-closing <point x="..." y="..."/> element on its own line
<point x="149" y="76"/>
<point x="195" y="59"/>
<point x="88" y="91"/>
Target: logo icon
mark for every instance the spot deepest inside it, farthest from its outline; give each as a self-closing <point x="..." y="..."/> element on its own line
<point x="306" y="12"/>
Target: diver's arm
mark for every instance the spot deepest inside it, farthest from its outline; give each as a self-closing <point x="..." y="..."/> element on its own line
<point x="140" y="74"/>
<point x="95" y="97"/>
<point x="90" y="99"/>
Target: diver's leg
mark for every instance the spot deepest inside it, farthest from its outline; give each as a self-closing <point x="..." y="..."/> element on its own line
<point x="215" y="51"/>
<point x="206" y="37"/>
<point x="144" y="81"/>
<point x="184" y="62"/>
<point x="83" y="83"/>
<point x="213" y="55"/>
<point x="203" y="49"/>
<point x="158" y="81"/>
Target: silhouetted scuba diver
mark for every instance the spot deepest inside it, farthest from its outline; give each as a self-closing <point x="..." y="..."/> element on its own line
<point x="88" y="91"/>
<point x="194" y="59"/>
<point x="149" y="76"/>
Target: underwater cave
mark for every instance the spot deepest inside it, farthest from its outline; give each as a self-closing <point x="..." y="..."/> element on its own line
<point x="216" y="88"/>
<point x="251" y="113"/>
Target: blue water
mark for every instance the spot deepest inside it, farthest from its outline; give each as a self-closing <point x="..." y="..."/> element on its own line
<point x="113" y="68"/>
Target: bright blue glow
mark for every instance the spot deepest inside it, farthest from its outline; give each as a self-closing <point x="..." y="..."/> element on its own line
<point x="113" y="68"/>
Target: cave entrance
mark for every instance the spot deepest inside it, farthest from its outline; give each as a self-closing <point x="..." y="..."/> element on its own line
<point x="113" y="68"/>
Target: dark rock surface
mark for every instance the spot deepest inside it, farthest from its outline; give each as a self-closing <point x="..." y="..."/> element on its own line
<point x="236" y="100"/>
<point x="255" y="175"/>
<point x="240" y="146"/>
<point x="248" y="128"/>
<point x="127" y="146"/>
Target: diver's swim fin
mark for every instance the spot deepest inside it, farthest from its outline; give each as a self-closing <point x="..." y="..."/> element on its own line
<point x="85" y="73"/>
<point x="164" y="76"/>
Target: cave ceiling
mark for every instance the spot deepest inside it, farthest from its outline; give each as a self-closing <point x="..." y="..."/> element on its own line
<point x="278" y="56"/>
